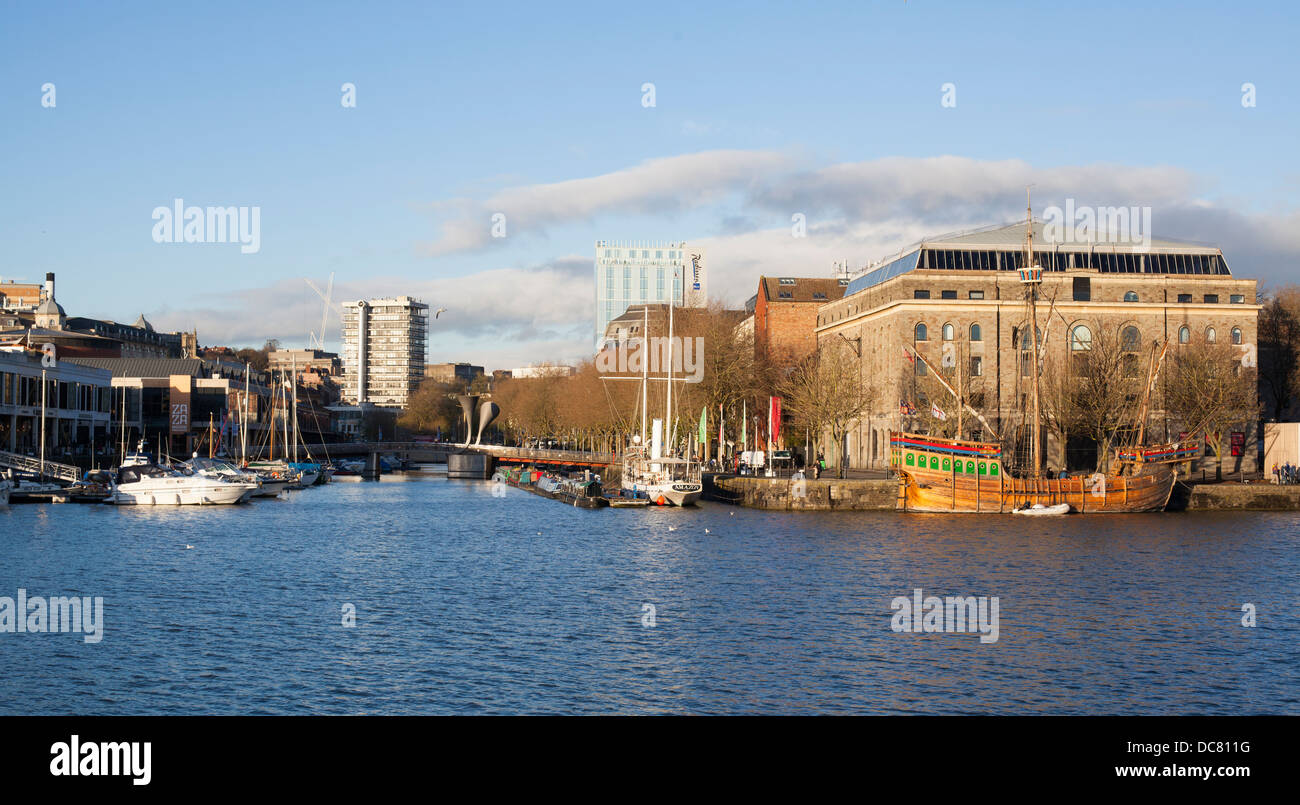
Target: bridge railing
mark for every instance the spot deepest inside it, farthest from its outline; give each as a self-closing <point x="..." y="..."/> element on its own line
<point x="362" y="448"/>
<point x="52" y="469"/>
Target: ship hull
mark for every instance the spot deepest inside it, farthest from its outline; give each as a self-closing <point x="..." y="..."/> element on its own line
<point x="926" y="491"/>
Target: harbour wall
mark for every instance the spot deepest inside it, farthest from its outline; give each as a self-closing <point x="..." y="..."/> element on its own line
<point x="1243" y="497"/>
<point x="827" y="494"/>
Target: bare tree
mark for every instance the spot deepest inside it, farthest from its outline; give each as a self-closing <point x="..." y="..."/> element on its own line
<point x="826" y="394"/>
<point x="1210" y="391"/>
<point x="1104" y="380"/>
<point x="1279" y="349"/>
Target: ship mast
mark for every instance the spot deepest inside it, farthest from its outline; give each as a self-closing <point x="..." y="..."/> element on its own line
<point x="1031" y="276"/>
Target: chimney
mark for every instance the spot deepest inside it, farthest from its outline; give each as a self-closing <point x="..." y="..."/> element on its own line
<point x="49" y="285"/>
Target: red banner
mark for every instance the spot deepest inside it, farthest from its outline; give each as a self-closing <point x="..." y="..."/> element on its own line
<point x="776" y="419"/>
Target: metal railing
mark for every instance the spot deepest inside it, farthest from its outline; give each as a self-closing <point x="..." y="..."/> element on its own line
<point x="51" y="469"/>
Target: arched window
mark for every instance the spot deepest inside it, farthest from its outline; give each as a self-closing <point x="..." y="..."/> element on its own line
<point x="975" y="333"/>
<point x="1131" y="296"/>
<point x="1211" y="336"/>
<point x="1236" y="335"/>
<point x="1027" y="340"/>
<point x="921" y="333"/>
<point x="1184" y="335"/>
<point x="1080" y="338"/>
<point x="1130" y="339"/>
<point x="947" y="332"/>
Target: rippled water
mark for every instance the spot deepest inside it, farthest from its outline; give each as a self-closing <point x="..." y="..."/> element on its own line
<point x="471" y="603"/>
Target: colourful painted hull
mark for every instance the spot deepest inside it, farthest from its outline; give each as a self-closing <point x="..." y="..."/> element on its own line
<point x="950" y="475"/>
<point x="928" y="491"/>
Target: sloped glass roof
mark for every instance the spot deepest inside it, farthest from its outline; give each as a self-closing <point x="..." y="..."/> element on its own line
<point x="888" y="271"/>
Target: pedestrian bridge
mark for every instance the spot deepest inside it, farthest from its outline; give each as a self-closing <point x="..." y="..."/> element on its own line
<point x="437" y="452"/>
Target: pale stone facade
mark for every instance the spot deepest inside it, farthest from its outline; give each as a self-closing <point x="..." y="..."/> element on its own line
<point x="884" y="311"/>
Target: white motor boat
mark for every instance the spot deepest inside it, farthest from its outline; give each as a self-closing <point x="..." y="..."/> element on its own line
<point x="152" y="485"/>
<point x="1039" y="510"/>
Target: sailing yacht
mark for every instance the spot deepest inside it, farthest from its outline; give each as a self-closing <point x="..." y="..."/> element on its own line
<point x="653" y="470"/>
<point x="954" y="475"/>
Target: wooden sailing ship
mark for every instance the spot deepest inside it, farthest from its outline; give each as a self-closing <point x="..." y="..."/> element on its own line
<point x="955" y="475"/>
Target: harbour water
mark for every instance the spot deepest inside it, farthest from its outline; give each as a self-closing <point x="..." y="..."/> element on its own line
<point x="471" y="598"/>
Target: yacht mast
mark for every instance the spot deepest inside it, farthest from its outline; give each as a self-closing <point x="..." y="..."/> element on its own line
<point x="293" y="378"/>
<point x="670" y="424"/>
<point x="243" y="420"/>
<point x="645" y="366"/>
<point x="1031" y="276"/>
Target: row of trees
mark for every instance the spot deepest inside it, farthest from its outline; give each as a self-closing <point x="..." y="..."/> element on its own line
<point x="599" y="410"/>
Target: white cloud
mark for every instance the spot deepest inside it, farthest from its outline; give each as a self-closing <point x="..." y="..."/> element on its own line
<point x="856" y="212"/>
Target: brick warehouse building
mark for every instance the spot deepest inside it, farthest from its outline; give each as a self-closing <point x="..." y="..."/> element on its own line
<point x="962" y="290"/>
<point x="785" y="316"/>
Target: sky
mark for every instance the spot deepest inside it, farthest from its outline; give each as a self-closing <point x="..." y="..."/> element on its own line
<point x="879" y="122"/>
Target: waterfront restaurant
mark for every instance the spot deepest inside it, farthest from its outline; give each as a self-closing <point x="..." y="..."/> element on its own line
<point x="960" y="296"/>
<point x="76" y="406"/>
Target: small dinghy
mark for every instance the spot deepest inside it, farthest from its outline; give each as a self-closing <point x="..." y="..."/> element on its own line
<point x="1039" y="510"/>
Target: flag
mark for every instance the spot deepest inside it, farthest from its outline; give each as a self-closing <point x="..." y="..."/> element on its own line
<point x="908" y="355"/>
<point x="704" y="428"/>
<point x="776" y="420"/>
<point x="905" y="408"/>
<point x="937" y="412"/>
<point x="744" y="414"/>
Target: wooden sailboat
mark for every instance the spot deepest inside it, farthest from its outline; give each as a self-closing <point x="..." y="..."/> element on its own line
<point x="955" y="475"/>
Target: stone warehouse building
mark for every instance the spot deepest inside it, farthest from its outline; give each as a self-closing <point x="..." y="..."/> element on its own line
<point x="959" y="297"/>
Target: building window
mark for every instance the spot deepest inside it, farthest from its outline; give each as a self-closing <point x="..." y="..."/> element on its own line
<point x="920" y="294"/>
<point x="1184" y="298"/>
<point x="975" y="333"/>
<point x="1130" y="339"/>
<point x="975" y="295"/>
<point x="1082" y="289"/>
<point x="1184" y="335"/>
<point x="1236" y="335"/>
<point x="1131" y="296"/>
<point x="1080" y="338"/>
<point x="947" y="332"/>
<point x="921" y="333"/>
<point x="947" y="294"/>
<point x="1211" y="336"/>
<point x="1211" y="299"/>
<point x="1237" y="299"/>
<point x="976" y="366"/>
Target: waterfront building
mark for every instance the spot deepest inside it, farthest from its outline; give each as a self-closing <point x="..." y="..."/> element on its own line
<point x="638" y="273"/>
<point x="383" y="350"/>
<point x="77" y="402"/>
<point x="785" y="316"/>
<point x="453" y="372"/>
<point x="960" y="296"/>
<point x="171" y="402"/>
<point x="46" y="322"/>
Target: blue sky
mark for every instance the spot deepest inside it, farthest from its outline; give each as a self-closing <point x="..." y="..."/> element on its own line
<point x="762" y="111"/>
